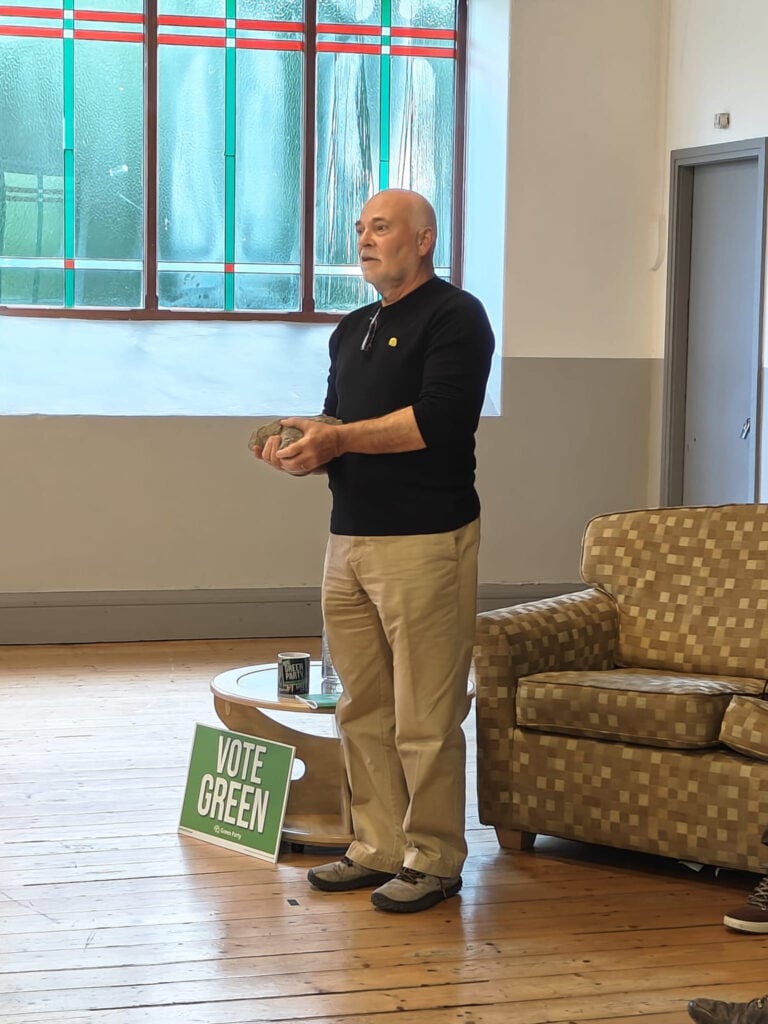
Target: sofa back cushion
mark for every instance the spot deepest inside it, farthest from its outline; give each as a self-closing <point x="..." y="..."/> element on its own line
<point x="690" y="586"/>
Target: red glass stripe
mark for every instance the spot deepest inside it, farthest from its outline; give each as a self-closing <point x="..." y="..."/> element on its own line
<point x="422" y="51"/>
<point x="133" y="19"/>
<point x="26" y="30"/>
<point x="269" y="44"/>
<point x="424" y="33"/>
<point x="270" y="26"/>
<point x="351" y="30"/>
<point x="69" y="264"/>
<point x="229" y="268"/>
<point x="31" y="12"/>
<point x="190" y="22"/>
<point x="113" y="37"/>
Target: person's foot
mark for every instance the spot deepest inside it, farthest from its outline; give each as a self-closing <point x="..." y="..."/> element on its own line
<point x="713" y="1011"/>
<point x="410" y="891"/>
<point x="751" y="916"/>
<point x="345" y="875"/>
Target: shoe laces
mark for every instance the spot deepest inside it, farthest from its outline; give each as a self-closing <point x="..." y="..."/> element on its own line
<point x="759" y="898"/>
<point x="410" y="875"/>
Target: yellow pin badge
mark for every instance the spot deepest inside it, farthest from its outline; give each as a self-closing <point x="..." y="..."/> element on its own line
<point x="392" y="342"/>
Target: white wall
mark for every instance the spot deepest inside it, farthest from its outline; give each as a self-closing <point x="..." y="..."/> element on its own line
<point x="143" y="504"/>
<point x="583" y="197"/>
<point x="717" y="63"/>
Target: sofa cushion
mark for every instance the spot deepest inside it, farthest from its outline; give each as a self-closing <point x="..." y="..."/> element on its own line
<point x="745" y="727"/>
<point x="690" y="586"/>
<point x="669" y="709"/>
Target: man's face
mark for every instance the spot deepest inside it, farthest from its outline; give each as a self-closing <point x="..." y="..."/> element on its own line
<point x="388" y="243"/>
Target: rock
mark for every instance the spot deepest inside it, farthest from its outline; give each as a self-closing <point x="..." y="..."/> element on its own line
<point x="287" y="434"/>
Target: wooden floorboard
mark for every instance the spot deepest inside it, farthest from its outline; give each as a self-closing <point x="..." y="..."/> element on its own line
<point x="109" y="916"/>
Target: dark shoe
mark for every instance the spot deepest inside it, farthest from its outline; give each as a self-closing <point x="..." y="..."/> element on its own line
<point x="751" y="916"/>
<point x="712" y="1011"/>
<point x="344" y="876"/>
<point x="411" y="890"/>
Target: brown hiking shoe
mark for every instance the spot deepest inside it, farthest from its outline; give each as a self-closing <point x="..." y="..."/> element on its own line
<point x="713" y="1011"/>
<point x="751" y="916"/>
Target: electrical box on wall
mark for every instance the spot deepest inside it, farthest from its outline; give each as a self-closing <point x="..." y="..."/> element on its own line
<point x="722" y="120"/>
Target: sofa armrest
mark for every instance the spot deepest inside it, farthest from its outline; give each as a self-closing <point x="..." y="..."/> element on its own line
<point x="573" y="632"/>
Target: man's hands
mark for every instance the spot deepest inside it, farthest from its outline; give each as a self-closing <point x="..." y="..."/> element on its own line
<point x="321" y="443"/>
<point x="384" y="435"/>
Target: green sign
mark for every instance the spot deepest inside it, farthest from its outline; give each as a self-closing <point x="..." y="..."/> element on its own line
<point x="237" y="789"/>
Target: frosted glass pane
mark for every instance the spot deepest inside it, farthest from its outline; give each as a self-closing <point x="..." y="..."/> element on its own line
<point x="268" y="164"/>
<point x="267" y="291"/>
<point x="31" y="215"/>
<point x="352" y="12"/>
<point x="108" y="288"/>
<point x="109" y="167"/>
<point x="32" y="287"/>
<point x="31" y="161"/>
<point x="191" y="154"/>
<point x="274" y="10"/>
<point x="187" y="290"/>
<point x="122" y="6"/>
<point x="424" y="13"/>
<point x="421" y="150"/>
<point x="341" y="293"/>
<point x="347" y="151"/>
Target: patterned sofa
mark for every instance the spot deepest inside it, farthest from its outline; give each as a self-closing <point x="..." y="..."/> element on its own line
<point x="633" y="713"/>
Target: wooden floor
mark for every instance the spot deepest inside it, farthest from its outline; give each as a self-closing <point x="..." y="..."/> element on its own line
<point x="110" y="917"/>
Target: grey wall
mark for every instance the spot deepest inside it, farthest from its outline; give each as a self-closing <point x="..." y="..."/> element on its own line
<point x="133" y="528"/>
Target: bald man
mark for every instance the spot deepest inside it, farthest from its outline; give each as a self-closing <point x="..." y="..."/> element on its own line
<point x="407" y="380"/>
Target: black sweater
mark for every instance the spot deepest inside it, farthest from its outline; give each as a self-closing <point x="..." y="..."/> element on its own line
<point x="432" y="349"/>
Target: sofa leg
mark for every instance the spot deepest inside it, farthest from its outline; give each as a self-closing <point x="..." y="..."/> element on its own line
<point x="511" y="840"/>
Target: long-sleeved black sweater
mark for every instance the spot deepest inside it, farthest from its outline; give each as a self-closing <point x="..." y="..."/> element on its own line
<point x="431" y="350"/>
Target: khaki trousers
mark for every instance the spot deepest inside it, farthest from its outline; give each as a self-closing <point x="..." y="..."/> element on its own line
<point x="399" y="615"/>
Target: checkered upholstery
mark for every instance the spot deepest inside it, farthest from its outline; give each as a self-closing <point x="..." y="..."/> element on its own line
<point x="745" y="727"/>
<point x="631" y="705"/>
<point x="629" y="713"/>
<point x="690" y="586"/>
<point x="706" y="806"/>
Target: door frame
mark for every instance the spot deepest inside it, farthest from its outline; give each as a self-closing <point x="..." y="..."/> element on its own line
<point x="683" y="164"/>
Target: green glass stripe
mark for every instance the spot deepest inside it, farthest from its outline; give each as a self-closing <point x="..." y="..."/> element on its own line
<point x="384" y="122"/>
<point x="69" y="93"/>
<point x="69" y="204"/>
<point x="230" y="100"/>
<point x="384" y="100"/>
<point x="229" y="210"/>
<point x="230" y="140"/>
<point x="68" y="88"/>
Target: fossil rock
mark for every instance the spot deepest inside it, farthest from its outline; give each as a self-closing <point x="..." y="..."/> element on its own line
<point x="287" y="434"/>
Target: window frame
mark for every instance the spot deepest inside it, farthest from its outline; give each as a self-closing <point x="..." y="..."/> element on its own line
<point x="307" y="313"/>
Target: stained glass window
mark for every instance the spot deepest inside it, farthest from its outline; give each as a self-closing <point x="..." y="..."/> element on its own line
<point x="213" y="155"/>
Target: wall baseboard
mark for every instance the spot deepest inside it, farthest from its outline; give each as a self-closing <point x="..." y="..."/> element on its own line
<point x="121" y="616"/>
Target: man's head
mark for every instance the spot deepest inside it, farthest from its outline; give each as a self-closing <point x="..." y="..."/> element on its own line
<point x="396" y="236"/>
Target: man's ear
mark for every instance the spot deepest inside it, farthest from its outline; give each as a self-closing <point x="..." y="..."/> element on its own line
<point x="426" y="240"/>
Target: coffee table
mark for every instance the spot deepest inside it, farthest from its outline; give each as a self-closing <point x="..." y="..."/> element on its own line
<point x="318" y="809"/>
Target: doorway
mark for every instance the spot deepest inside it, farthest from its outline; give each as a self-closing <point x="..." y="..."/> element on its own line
<point x="714" y="324"/>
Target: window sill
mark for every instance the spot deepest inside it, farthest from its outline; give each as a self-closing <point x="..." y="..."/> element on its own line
<point x="167" y="368"/>
<point x="161" y="368"/>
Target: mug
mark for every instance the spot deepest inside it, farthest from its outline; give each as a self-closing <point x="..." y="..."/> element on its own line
<point x="292" y="674"/>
